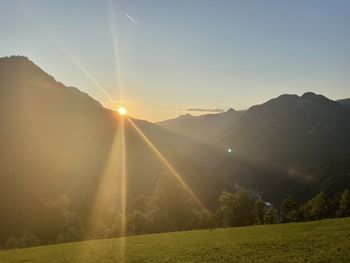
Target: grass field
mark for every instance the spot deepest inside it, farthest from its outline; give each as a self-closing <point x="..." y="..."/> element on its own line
<point x="321" y="241"/>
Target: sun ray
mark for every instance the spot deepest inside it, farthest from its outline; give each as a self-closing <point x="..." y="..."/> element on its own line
<point x="111" y="189"/>
<point x="75" y="60"/>
<point x="123" y="175"/>
<point x="123" y="190"/>
<point x="167" y="164"/>
<point x="115" y="43"/>
<point x="87" y="73"/>
<point x="108" y="183"/>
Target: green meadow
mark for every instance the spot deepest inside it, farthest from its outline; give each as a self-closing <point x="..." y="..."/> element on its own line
<point x="319" y="241"/>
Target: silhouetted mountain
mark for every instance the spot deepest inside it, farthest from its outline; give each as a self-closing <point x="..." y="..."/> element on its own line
<point x="57" y="140"/>
<point x="205" y="128"/>
<point x="345" y="103"/>
<point x="291" y="130"/>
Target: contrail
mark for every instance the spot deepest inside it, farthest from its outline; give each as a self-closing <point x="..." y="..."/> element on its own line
<point x="133" y="20"/>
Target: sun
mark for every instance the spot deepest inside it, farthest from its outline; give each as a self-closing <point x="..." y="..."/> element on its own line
<point x="122" y="111"/>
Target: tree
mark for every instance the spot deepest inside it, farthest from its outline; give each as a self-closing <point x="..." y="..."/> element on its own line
<point x="317" y="207"/>
<point x="204" y="219"/>
<point x="171" y="207"/>
<point x="289" y="209"/>
<point x="11" y="243"/>
<point x="271" y="215"/>
<point x="27" y="240"/>
<point x="100" y="231"/>
<point x="71" y="234"/>
<point x="112" y="218"/>
<point x="139" y="204"/>
<point x="259" y="211"/>
<point x="138" y="222"/>
<point x="236" y="209"/>
<point x="344" y="204"/>
<point x="54" y="218"/>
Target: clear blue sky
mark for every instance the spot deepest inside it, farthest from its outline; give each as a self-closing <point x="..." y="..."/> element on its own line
<point x="186" y="53"/>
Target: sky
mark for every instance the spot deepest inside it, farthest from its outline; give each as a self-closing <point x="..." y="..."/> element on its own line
<point x="160" y="58"/>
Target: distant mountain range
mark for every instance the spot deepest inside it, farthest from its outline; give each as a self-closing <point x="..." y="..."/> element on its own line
<point x="285" y="131"/>
<point x="291" y="130"/>
<point x="205" y="128"/>
<point x="57" y="140"/>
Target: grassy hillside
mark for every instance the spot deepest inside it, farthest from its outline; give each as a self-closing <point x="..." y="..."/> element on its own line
<point x="321" y="241"/>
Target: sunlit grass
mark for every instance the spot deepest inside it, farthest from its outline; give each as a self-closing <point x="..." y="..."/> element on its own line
<point x="321" y="241"/>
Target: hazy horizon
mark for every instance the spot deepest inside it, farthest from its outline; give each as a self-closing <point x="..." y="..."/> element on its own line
<point x="173" y="56"/>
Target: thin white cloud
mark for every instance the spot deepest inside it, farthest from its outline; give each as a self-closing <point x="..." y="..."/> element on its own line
<point x="204" y="110"/>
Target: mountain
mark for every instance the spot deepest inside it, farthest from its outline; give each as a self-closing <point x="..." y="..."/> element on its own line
<point x="291" y="130"/>
<point x="205" y="128"/>
<point x="334" y="175"/>
<point x="56" y="140"/>
<point x="345" y="103"/>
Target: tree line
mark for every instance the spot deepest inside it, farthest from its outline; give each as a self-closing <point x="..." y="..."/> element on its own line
<point x="171" y="208"/>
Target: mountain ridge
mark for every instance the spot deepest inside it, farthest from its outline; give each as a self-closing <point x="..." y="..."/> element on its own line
<point x="204" y="128"/>
<point x="309" y="121"/>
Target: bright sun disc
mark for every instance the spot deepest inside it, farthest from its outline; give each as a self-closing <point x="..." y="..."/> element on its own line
<point x="122" y="111"/>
